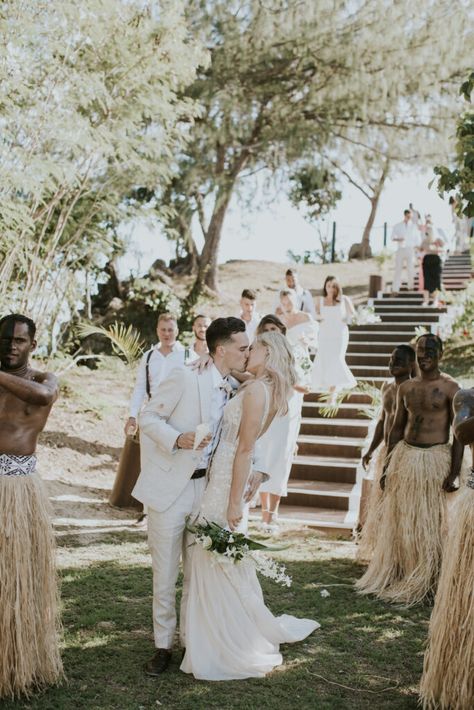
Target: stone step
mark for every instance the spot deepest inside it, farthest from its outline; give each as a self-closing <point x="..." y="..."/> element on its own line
<point x="334" y="426"/>
<point x="346" y="411"/>
<point x="332" y="469"/>
<point x="311" y="445"/>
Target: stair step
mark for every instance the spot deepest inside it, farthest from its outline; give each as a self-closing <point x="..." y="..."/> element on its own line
<point x="314" y="445"/>
<point x="327" y="519"/>
<point x="394" y="327"/>
<point x="394" y="337"/>
<point x="321" y="494"/>
<point x="351" y="398"/>
<point x="369" y="371"/>
<point x="333" y="469"/>
<point x="365" y="358"/>
<point x="334" y="426"/>
<point x="403" y="309"/>
<point x="355" y="412"/>
<point x="426" y="317"/>
<point x="361" y="347"/>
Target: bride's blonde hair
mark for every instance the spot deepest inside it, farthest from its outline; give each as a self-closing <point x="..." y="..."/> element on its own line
<point x="279" y="368"/>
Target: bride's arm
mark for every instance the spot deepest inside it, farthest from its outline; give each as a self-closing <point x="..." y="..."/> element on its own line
<point x="250" y="425"/>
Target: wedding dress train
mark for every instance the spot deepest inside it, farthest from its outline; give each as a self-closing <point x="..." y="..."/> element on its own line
<point x="230" y="633"/>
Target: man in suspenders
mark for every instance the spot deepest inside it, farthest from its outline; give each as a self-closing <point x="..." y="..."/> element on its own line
<point x="154" y="366"/>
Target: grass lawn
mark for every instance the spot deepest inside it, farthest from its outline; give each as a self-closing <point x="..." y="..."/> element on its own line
<point x="372" y="648"/>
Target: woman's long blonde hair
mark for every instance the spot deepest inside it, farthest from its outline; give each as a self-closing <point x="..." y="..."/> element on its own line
<point x="279" y="368"/>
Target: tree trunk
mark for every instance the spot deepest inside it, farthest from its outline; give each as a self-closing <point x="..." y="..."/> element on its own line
<point x="207" y="274"/>
<point x="374" y="203"/>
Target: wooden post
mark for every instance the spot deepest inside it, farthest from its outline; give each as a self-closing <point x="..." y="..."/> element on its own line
<point x="384" y="234"/>
<point x="333" y="244"/>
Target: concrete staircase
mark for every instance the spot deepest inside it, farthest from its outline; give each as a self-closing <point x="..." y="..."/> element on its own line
<point x="325" y="482"/>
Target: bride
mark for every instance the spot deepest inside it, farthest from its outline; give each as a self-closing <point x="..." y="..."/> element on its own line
<point x="230" y="633"/>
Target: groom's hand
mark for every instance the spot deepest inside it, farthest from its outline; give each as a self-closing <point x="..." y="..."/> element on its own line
<point x="254" y="483"/>
<point x="186" y="441"/>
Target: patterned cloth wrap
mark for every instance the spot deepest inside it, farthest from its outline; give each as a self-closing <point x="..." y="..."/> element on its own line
<point x="11" y="465"/>
<point x="470" y="480"/>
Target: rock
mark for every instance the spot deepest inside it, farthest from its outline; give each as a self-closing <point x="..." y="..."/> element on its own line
<point x="355" y="252"/>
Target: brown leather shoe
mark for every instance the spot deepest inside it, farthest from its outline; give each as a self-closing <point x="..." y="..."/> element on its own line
<point x="159" y="663"/>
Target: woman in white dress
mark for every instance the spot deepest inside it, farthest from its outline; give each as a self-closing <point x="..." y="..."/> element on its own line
<point x="230" y="633"/>
<point x="334" y="312"/>
<point x="277" y="445"/>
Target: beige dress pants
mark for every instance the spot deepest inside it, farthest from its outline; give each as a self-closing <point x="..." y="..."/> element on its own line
<point x="168" y="542"/>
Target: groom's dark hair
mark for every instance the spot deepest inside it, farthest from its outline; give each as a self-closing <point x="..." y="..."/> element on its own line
<point x="221" y="331"/>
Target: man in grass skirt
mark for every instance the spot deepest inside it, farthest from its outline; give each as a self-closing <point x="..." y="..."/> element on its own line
<point x="422" y="466"/>
<point x="29" y="617"/>
<point x="448" y="674"/>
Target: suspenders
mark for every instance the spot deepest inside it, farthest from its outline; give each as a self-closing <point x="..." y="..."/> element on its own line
<point x="147" y="372"/>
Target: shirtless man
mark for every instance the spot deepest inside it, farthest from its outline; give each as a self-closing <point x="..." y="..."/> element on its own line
<point x="448" y="680"/>
<point x="28" y="591"/>
<point x="425" y="408"/>
<point x="421" y="466"/>
<point x="401" y="367"/>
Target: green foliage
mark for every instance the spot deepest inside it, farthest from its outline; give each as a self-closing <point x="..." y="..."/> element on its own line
<point x="314" y="189"/>
<point x="125" y="341"/>
<point x="461" y="178"/>
<point x="92" y="104"/>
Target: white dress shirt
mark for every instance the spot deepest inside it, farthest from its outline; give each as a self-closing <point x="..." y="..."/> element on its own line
<point x="406" y="234"/>
<point x="158" y="367"/>
<point x="218" y="401"/>
<point x="304" y="300"/>
<point x="252" y="325"/>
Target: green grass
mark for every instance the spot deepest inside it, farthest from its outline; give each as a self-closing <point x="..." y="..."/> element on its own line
<point x="362" y="643"/>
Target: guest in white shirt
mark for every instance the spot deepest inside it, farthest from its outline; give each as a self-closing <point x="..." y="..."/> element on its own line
<point x="155" y="365"/>
<point x="304" y="299"/>
<point x="248" y="312"/>
<point x="407" y="235"/>
<point x="199" y="347"/>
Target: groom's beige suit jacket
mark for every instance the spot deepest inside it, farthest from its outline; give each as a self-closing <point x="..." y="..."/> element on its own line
<point x="180" y="403"/>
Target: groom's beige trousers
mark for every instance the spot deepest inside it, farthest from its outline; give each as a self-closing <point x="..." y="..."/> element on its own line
<point x="168" y="541"/>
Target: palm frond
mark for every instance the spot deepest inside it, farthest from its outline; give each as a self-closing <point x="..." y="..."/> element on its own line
<point x="334" y="402"/>
<point x="125" y="340"/>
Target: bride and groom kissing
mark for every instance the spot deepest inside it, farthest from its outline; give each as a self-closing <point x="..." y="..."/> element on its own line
<point x="226" y="631"/>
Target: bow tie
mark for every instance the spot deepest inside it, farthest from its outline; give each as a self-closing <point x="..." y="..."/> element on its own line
<point x="226" y="387"/>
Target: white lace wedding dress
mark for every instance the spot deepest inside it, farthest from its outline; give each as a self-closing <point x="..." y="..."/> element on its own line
<point x="230" y="633"/>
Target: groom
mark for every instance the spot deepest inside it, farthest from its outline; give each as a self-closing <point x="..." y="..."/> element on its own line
<point x="173" y="474"/>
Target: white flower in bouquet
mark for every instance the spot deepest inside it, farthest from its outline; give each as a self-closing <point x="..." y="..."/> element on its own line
<point x="206" y="542"/>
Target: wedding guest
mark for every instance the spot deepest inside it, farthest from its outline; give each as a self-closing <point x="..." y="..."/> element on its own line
<point x="448" y="678"/>
<point x="248" y="312"/>
<point x="277" y="445"/>
<point x="421" y="468"/>
<point x="29" y="611"/>
<point x="431" y="263"/>
<point x="334" y="312"/>
<point x="402" y="366"/>
<point x="154" y="366"/>
<point x="407" y="236"/>
<point x="304" y="299"/>
<point x="199" y="347"/>
<point x="302" y="334"/>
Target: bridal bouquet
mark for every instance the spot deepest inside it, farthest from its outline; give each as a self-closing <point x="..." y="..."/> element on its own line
<point x="234" y="547"/>
<point x="366" y="315"/>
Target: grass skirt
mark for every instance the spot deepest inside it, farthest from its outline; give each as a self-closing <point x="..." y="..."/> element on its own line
<point x="29" y="618"/>
<point x="407" y="558"/>
<point x="448" y="676"/>
<point x="371" y="528"/>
